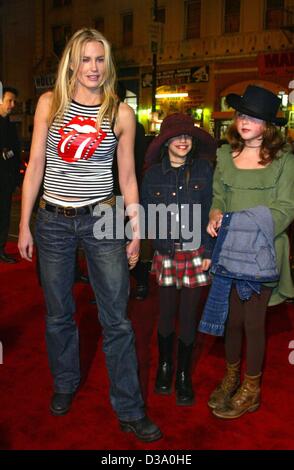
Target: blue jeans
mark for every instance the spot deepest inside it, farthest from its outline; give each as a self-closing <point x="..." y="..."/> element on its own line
<point x="216" y="309"/>
<point x="57" y="238"/>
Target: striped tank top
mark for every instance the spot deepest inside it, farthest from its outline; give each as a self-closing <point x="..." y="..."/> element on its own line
<point x="79" y="158"/>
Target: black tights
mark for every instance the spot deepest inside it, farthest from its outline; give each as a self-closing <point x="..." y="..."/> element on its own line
<point x="248" y="315"/>
<point x="189" y="300"/>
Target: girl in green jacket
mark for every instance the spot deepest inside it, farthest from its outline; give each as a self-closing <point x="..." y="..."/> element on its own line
<point x="256" y="168"/>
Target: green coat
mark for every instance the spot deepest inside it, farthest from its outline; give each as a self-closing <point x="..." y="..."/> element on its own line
<point x="235" y="189"/>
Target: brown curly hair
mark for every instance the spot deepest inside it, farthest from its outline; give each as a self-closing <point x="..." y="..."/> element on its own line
<point x="272" y="142"/>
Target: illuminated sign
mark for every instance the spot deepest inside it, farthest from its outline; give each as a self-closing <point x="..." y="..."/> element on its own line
<point x="177" y="76"/>
<point x="276" y="64"/>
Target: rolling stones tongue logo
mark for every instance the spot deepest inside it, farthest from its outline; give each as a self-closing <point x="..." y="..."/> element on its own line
<point x="81" y="141"/>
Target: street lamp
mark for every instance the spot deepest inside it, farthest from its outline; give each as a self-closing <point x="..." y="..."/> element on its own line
<point x="154" y="47"/>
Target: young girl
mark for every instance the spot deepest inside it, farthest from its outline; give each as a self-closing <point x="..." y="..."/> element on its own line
<point x="180" y="263"/>
<point x="256" y="169"/>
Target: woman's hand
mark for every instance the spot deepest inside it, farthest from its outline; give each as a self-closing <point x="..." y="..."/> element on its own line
<point x="215" y="221"/>
<point x="25" y="244"/>
<point x="206" y="264"/>
<point x="133" y="252"/>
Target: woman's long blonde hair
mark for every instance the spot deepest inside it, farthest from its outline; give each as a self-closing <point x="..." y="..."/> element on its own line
<point x="67" y="76"/>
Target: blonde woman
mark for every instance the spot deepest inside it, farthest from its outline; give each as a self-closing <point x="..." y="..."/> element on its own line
<point x="76" y="131"/>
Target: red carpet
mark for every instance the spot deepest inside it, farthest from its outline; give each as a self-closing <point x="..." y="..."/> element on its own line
<point x="25" y="382"/>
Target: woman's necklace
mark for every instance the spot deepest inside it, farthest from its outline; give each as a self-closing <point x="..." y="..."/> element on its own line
<point x="176" y="163"/>
<point x="253" y="146"/>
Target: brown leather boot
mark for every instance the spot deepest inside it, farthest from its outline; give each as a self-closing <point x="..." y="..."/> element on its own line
<point x="247" y="398"/>
<point x="228" y="386"/>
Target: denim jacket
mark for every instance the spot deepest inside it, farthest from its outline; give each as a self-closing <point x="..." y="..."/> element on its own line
<point x="245" y="246"/>
<point x="189" y="185"/>
<point x="244" y="254"/>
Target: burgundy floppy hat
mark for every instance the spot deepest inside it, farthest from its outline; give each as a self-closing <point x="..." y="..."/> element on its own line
<point x="179" y="124"/>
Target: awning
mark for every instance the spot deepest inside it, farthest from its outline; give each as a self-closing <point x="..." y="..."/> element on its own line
<point x="240" y="87"/>
<point x="223" y="115"/>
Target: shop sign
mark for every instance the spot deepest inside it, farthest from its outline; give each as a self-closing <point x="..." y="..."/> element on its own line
<point x="155" y="36"/>
<point x="281" y="64"/>
<point x="44" y="82"/>
<point x="196" y="99"/>
<point x="177" y="76"/>
<point x="200" y="74"/>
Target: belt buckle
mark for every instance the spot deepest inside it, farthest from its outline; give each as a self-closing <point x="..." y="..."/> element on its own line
<point x="69" y="208"/>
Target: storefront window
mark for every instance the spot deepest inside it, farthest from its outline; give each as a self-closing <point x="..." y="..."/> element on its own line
<point x="127" y="29"/>
<point x="291" y="126"/>
<point x="193" y="19"/>
<point x="232" y="16"/>
<point x="99" y="24"/>
<point x="60" y="36"/>
<point x="220" y="129"/>
<point x="131" y="100"/>
<point x="224" y="106"/>
<point x="161" y="15"/>
<point x="285" y="99"/>
<point x="61" y="3"/>
<point x="274" y="14"/>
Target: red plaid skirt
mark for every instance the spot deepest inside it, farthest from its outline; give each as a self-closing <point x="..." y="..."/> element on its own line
<point x="183" y="269"/>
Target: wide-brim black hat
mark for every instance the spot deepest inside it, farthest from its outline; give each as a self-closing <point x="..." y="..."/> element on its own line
<point x="258" y="102"/>
<point x="178" y="124"/>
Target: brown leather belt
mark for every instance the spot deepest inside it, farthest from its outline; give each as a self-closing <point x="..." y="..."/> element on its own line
<point x="69" y="211"/>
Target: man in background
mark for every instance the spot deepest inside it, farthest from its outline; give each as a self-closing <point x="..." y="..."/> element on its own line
<point x="9" y="166"/>
<point x="141" y="271"/>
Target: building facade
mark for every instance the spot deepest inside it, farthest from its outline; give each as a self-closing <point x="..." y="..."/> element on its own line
<point x="202" y="51"/>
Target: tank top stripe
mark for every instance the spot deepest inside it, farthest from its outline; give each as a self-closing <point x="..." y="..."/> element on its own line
<point x="78" y="157"/>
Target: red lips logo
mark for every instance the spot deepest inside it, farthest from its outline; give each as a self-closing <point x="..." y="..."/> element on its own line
<point x="81" y="141"/>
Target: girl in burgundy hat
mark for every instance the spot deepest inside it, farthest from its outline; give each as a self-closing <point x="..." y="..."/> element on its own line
<point x="179" y="187"/>
<point x="255" y="169"/>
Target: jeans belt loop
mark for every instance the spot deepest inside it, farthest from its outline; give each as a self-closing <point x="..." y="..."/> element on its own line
<point x="42" y="203"/>
<point x="91" y="209"/>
